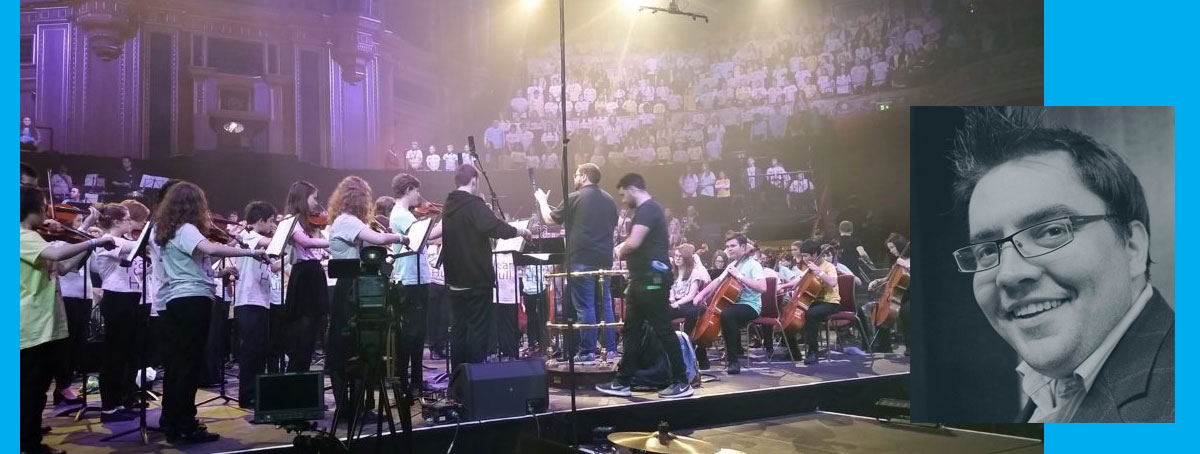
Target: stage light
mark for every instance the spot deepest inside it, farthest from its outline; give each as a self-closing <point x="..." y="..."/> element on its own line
<point x="233" y="127"/>
<point x="531" y="4"/>
<point x="631" y="6"/>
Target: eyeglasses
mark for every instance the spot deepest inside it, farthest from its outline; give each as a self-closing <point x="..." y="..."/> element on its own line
<point x="1032" y="241"/>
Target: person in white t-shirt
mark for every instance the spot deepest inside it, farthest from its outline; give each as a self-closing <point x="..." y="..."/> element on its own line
<point x="776" y="174"/>
<point x="450" y="159"/>
<point x="414" y="157"/>
<point x="879" y="73"/>
<point x="253" y="301"/>
<point x="433" y="161"/>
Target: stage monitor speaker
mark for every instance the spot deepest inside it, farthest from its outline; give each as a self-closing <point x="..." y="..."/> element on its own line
<point x="500" y="390"/>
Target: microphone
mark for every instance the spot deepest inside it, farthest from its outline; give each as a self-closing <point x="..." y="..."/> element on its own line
<point x="531" y="180"/>
<point x="471" y="146"/>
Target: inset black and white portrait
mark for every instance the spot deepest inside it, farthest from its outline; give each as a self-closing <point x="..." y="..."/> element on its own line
<point x="1043" y="258"/>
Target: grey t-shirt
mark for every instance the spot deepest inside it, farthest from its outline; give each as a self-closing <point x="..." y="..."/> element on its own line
<point x="344" y="242"/>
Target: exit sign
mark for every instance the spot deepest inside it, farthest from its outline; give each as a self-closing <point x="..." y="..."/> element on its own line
<point x="883" y="106"/>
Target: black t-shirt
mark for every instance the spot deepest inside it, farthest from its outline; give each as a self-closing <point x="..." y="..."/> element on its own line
<point x="848" y="252"/>
<point x="590" y="234"/>
<point x="655" y="245"/>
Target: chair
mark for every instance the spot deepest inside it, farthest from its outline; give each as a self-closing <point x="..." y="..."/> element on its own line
<point x="847" y="314"/>
<point x="769" y="315"/>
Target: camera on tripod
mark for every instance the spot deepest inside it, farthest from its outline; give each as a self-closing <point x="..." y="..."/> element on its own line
<point x="369" y="314"/>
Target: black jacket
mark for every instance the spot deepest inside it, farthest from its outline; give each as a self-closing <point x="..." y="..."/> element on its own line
<point x="467" y="229"/>
<point x="1137" y="382"/>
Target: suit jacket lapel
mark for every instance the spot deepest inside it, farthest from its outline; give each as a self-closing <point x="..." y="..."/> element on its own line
<point x="1126" y="372"/>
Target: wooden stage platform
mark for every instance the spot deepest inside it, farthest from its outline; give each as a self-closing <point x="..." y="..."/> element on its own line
<point x="238" y="434"/>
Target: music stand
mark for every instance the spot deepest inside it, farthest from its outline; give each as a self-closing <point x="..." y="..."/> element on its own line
<point x="139" y="250"/>
<point x="550" y="251"/>
<point x="151" y="182"/>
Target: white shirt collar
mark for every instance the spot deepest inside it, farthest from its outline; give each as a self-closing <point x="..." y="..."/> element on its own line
<point x="1033" y="381"/>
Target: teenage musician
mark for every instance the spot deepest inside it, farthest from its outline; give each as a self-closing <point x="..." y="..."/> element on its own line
<point x="122" y="292"/>
<point x="252" y="301"/>
<point x="811" y="260"/>
<point x="690" y="277"/>
<point x="43" y="318"/>
<point x="76" y="289"/>
<point x="749" y="273"/>
<point x="896" y="244"/>
<point x="414" y="275"/>
<point x="351" y="208"/>
<point x="307" y="298"/>
<point x="182" y="222"/>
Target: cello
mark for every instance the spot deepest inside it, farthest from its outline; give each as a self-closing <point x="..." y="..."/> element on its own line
<point x="708" y="324"/>
<point x="791" y="318"/>
<point x="887" y="307"/>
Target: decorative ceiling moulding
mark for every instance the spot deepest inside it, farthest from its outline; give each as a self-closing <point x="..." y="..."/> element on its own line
<point x="354" y="44"/>
<point x="107" y="25"/>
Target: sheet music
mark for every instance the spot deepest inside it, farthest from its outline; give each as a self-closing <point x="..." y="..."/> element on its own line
<point x="89" y="180"/>
<point x="142" y="239"/>
<point x="542" y="257"/>
<point x="275" y="249"/>
<point x="513" y="244"/>
<point x="417" y="234"/>
<point x="152" y="182"/>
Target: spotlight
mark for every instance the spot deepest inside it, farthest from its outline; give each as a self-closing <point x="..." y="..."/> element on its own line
<point x="233" y="127"/>
<point x="530" y="4"/>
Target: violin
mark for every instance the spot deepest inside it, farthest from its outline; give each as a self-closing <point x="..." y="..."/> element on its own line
<point x="65" y="214"/>
<point x="319" y="220"/>
<point x="426" y="208"/>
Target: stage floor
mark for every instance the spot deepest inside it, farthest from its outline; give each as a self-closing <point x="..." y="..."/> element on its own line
<point x="237" y="433"/>
<point x="825" y="432"/>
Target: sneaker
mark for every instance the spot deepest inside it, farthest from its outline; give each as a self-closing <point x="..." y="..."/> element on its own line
<point x="810" y="358"/>
<point x="676" y="391"/>
<point x="118" y="414"/>
<point x="733" y="368"/>
<point x="614" y="388"/>
<point x="585" y="358"/>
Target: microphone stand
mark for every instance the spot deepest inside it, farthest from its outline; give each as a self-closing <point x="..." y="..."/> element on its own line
<point x="562" y="87"/>
<point x="479" y="165"/>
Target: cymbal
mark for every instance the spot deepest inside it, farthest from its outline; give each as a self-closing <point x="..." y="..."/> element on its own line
<point x="643" y="441"/>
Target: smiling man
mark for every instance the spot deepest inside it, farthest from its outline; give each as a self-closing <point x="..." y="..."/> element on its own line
<point x="1059" y="255"/>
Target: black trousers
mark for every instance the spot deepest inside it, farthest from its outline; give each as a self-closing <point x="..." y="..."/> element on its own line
<point x="39" y="363"/>
<point x="302" y="333"/>
<point x="648" y="308"/>
<point x="307" y="303"/>
<point x="338" y="347"/>
<point x="535" y="318"/>
<point x="410" y="343"/>
<point x="472" y="321"/>
<point x="690" y="313"/>
<point x="733" y="319"/>
<point x="813" y="318"/>
<point x="253" y="323"/>
<point x="120" y="311"/>
<point x="438" y="319"/>
<point x="508" y="329"/>
<point x="216" y="346"/>
<point x="79" y="312"/>
<point x="186" y="327"/>
<point x="276" y="339"/>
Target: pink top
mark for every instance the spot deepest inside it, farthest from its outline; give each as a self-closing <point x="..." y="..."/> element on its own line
<point x="305" y="246"/>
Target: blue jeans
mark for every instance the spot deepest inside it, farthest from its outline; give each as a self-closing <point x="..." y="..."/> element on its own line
<point x="583" y="293"/>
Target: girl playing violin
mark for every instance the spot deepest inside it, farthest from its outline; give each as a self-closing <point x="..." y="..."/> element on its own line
<point x="307" y="297"/>
<point x="43" y="318"/>
<point x="351" y="208"/>
<point x="182" y="227"/>
<point x="122" y="288"/>
<point x="413" y="274"/>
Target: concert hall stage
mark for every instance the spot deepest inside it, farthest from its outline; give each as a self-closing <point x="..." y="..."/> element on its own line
<point x="848" y="384"/>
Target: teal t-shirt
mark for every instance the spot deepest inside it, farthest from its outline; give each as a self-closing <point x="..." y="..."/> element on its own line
<point x="409" y="268"/>
<point x="751" y="270"/>
<point x="184" y="266"/>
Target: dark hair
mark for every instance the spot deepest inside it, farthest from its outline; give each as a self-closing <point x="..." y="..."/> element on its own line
<point x="632" y="180"/>
<point x="259" y="210"/>
<point x="27" y="170"/>
<point x="992" y="136"/>
<point x="403" y="183"/>
<point x="465" y="174"/>
<point x="162" y="192"/>
<point x="111" y="214"/>
<point x="591" y="171"/>
<point x="810" y="247"/>
<point x="384" y="205"/>
<point x="33" y="201"/>
<point x="899" y="241"/>
<point x="297" y="204"/>
<point x="741" y="238"/>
